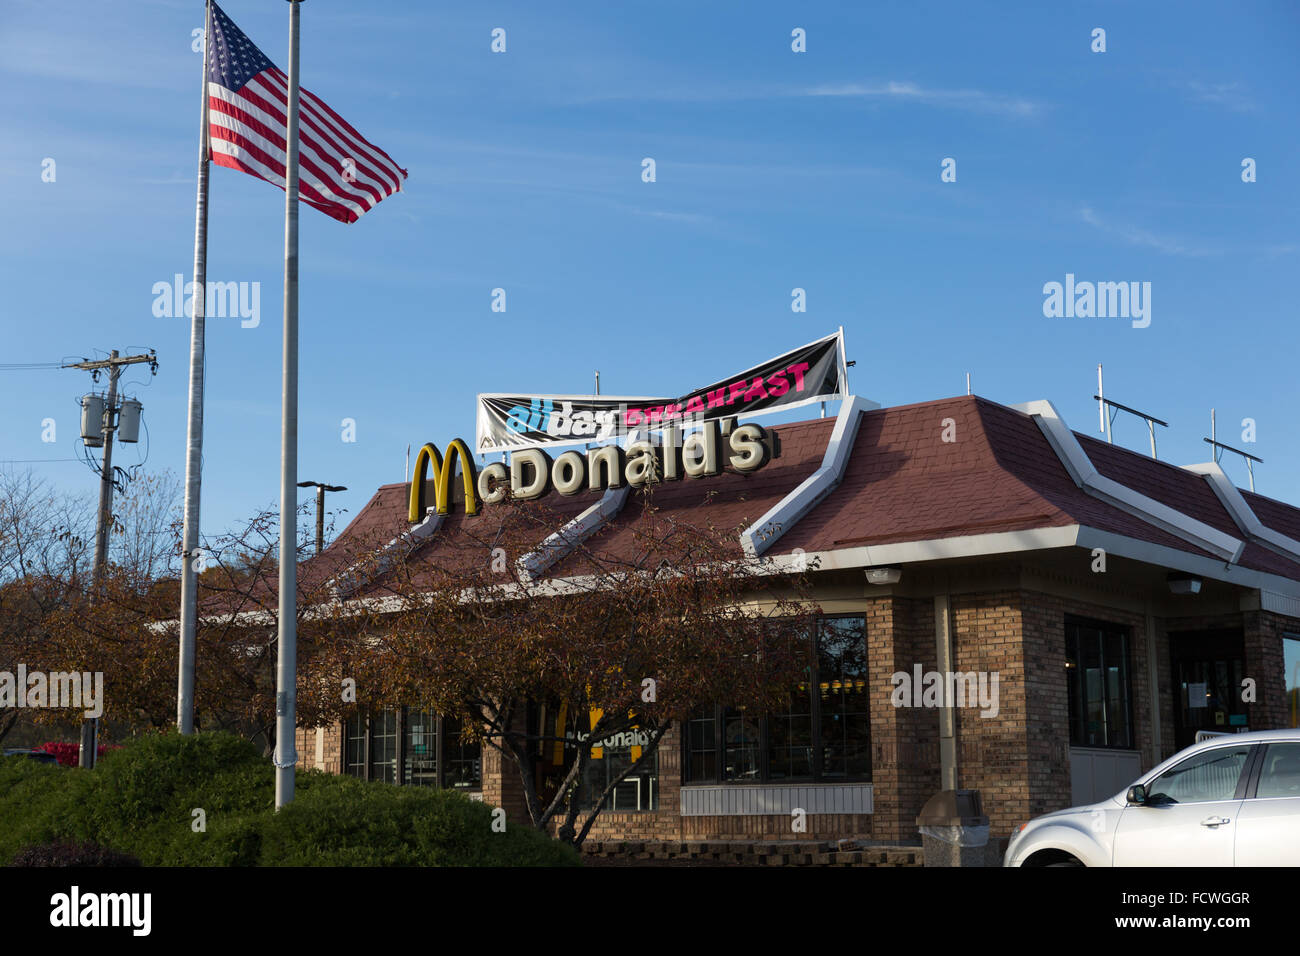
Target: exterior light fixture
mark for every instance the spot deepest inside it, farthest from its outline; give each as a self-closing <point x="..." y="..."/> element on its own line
<point x="884" y="575"/>
<point x="321" y="488"/>
<point x="1180" y="583"/>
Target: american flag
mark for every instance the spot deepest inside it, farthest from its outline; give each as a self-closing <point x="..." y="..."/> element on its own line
<point x="340" y="172"/>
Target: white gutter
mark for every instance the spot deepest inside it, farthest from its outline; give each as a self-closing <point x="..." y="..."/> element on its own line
<point x="1278" y="594"/>
<point x="577" y="530"/>
<point x="1092" y="482"/>
<point x="1243" y="515"/>
<point x="564" y="542"/>
<point x="347" y="581"/>
<point x="781" y="517"/>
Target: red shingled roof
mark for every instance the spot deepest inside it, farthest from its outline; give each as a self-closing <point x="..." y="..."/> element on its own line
<point x="904" y="483"/>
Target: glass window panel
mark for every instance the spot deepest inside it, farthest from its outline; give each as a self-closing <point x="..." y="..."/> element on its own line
<point x="1291" y="675"/>
<point x="702" y="748"/>
<point x="462" y="760"/>
<point x="354" y="756"/>
<point x="1118" y="718"/>
<point x="1280" y="775"/>
<point x="421" y="745"/>
<point x="638" y="791"/>
<point x="1206" y="777"/>
<point x="830" y="707"/>
<point x="1097" y="680"/>
<point x="845" y="720"/>
<point x="740" y="746"/>
<point x="383" y="747"/>
<point x="1074" y="682"/>
<point x="790" y="741"/>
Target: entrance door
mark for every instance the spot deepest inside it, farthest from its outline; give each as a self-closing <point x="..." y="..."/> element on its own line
<point x="1208" y="669"/>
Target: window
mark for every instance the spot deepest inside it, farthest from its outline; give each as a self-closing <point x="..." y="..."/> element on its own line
<point x="421" y="750"/>
<point x="1291" y="675"/>
<point x="1205" y="778"/>
<point x="461" y="764"/>
<point x="383" y="747"/>
<point x="701" y="748"/>
<point x="824" y="733"/>
<point x="354" y="746"/>
<point x="610" y="757"/>
<point x="637" y="791"/>
<point x="1097" y="669"/>
<point x="845" y="720"/>
<point x="426" y="748"/>
<point x="1280" y="775"/>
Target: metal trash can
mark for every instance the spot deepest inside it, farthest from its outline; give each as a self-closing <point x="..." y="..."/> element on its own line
<point x="954" y="829"/>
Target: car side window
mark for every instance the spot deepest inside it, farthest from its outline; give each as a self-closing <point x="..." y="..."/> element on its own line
<point x="1207" y="776"/>
<point x="1280" y="775"/>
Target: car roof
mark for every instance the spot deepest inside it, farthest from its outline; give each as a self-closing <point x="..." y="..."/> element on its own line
<point x="1252" y="736"/>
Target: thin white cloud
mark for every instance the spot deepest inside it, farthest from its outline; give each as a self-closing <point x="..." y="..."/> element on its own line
<point x="1136" y="236"/>
<point x="1232" y="96"/>
<point x="977" y="101"/>
<point x="691" y="218"/>
<point x="973" y="101"/>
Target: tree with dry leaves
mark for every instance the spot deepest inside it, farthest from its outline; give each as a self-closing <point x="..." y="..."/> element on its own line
<point x="628" y="633"/>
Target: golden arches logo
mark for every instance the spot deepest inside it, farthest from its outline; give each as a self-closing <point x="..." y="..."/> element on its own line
<point x="444" y="469"/>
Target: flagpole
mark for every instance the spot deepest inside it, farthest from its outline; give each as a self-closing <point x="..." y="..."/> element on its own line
<point x="194" y="429"/>
<point x="286" y="756"/>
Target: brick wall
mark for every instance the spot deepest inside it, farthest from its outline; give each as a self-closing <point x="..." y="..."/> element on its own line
<point x="1007" y="756"/>
<point x="904" y="740"/>
<point x="502" y="785"/>
<point x="1047" y="691"/>
<point x="331" y="748"/>
<point x="1017" y="759"/>
<point x="1264" y="662"/>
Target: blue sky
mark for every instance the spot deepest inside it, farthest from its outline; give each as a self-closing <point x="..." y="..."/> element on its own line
<point x="775" y="170"/>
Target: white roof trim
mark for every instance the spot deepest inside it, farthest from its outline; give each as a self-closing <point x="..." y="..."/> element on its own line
<point x="1242" y="514"/>
<point x="577" y="530"/>
<point x="933" y="549"/>
<point x="347" y="582"/>
<point x="1279" y="603"/>
<point x="1037" y="539"/>
<point x="1086" y="476"/>
<point x="1279" y="595"/>
<point x="783" y="516"/>
<point x="1160" y="555"/>
<point x="564" y="542"/>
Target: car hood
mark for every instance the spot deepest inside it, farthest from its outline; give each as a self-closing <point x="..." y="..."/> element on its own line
<point x="1110" y="803"/>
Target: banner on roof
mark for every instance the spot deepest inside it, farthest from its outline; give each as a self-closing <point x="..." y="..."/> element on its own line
<point x="815" y="372"/>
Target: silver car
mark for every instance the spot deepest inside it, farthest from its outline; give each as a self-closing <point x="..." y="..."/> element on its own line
<point x="1229" y="800"/>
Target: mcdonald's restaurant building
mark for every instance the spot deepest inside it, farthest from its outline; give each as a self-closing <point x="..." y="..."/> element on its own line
<point x="1089" y="609"/>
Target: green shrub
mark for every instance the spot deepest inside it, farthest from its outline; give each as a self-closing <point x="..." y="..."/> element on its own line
<point x="71" y="854"/>
<point x="140" y="800"/>
<point x="40" y="803"/>
<point x="345" y="822"/>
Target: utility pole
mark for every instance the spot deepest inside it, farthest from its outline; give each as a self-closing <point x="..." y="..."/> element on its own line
<point x="320" y="508"/>
<point x="114" y="364"/>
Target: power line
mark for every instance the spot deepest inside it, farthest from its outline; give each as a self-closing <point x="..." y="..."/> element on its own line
<point x="28" y="461"/>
